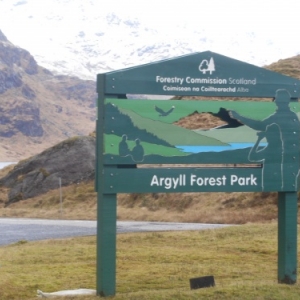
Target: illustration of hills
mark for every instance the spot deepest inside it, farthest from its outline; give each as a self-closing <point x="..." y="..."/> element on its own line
<point x="157" y="137"/>
<point x="182" y="109"/>
<point x="242" y="134"/>
<point x="160" y="137"/>
<point x="174" y="135"/>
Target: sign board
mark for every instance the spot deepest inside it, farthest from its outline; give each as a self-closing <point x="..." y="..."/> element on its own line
<point x="137" y="132"/>
<point x="256" y="149"/>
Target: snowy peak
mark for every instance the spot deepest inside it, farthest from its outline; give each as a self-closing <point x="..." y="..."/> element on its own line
<point x="2" y="37"/>
<point x="72" y="38"/>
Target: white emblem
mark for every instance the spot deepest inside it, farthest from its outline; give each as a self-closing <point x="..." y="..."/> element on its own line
<point x="207" y="66"/>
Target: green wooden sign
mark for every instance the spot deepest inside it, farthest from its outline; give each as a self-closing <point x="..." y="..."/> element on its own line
<point x="140" y="142"/>
<point x="264" y="133"/>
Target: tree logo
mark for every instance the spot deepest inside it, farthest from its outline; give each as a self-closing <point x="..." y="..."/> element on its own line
<point x="207" y="66"/>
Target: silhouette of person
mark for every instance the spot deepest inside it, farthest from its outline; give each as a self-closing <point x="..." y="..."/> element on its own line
<point x="138" y="151"/>
<point x="289" y="126"/>
<point x="272" y="166"/>
<point x="123" y="147"/>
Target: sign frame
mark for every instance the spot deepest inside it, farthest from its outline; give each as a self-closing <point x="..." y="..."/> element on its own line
<point x="199" y="74"/>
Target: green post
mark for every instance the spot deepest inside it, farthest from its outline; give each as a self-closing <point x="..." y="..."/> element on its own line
<point x="106" y="244"/>
<point x="106" y="210"/>
<point x="287" y="237"/>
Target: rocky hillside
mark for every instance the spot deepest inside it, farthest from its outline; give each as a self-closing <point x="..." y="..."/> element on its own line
<point x="37" y="108"/>
<point x="68" y="162"/>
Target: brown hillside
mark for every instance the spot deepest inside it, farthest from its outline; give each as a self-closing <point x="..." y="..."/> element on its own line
<point x="37" y="108"/>
<point x="289" y="66"/>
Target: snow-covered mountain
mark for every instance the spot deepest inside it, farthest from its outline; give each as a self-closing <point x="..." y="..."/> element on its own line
<point x="84" y="38"/>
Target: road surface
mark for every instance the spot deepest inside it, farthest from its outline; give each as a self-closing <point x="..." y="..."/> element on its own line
<point x="13" y="230"/>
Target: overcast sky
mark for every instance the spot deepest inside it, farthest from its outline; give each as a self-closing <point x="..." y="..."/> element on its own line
<point x="229" y="23"/>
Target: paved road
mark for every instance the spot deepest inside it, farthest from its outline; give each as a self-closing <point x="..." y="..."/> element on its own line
<point x="13" y="230"/>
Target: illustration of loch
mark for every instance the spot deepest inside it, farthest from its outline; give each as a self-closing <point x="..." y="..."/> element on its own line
<point x="268" y="139"/>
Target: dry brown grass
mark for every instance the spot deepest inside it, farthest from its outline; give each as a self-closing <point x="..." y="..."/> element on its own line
<point x="229" y="208"/>
<point x="79" y="201"/>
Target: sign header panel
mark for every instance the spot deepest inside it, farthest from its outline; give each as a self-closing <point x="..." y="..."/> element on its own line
<point x="200" y="74"/>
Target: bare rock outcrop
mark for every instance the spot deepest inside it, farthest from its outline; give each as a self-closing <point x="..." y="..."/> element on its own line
<point x="72" y="160"/>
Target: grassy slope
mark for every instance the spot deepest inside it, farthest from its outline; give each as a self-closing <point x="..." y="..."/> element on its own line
<point x="242" y="259"/>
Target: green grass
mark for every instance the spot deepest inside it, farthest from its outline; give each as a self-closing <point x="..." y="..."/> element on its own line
<point x="242" y="259"/>
<point x="112" y="142"/>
